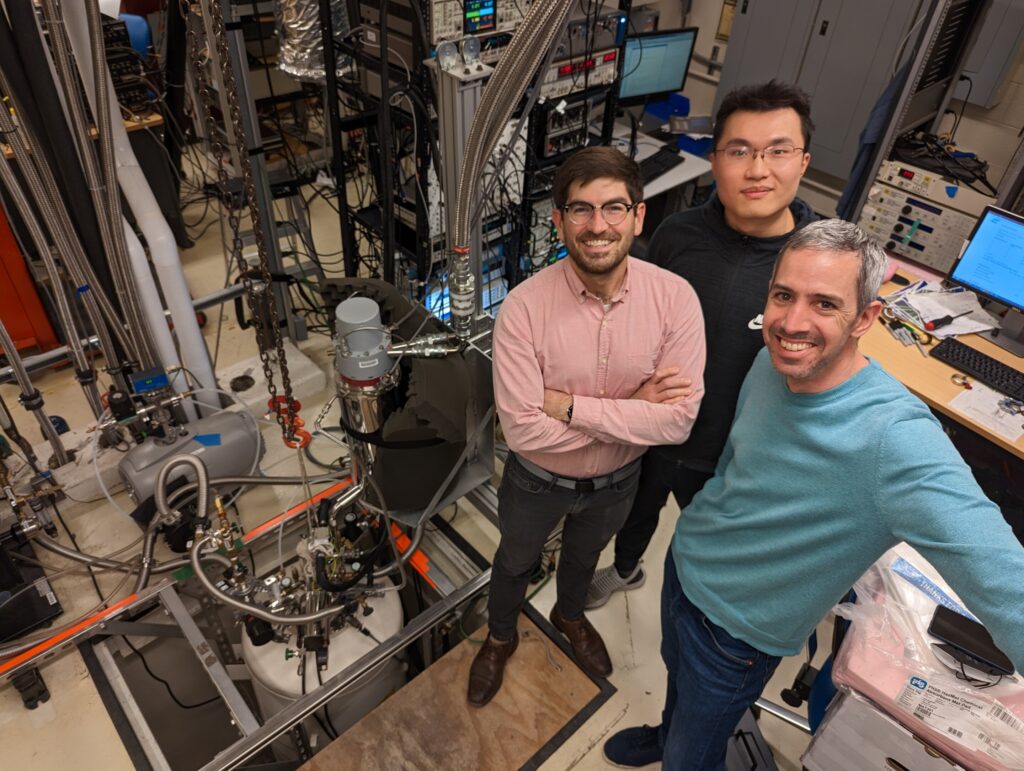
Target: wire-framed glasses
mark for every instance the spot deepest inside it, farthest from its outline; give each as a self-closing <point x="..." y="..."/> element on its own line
<point x="777" y="155"/>
<point x="613" y="213"/>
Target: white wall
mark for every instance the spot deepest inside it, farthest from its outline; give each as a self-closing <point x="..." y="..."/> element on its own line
<point x="992" y="134"/>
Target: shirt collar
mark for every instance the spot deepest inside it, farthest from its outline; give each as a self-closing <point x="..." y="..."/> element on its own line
<point x="581" y="293"/>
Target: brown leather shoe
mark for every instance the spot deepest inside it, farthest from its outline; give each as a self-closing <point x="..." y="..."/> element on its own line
<point x="488" y="668"/>
<point x="587" y="645"/>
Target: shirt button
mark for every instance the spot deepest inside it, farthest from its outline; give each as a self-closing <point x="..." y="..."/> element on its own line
<point x="602" y="392"/>
<point x="604" y="360"/>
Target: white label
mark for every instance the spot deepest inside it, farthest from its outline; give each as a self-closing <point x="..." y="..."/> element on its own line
<point x="367" y="363"/>
<point x="976" y="722"/>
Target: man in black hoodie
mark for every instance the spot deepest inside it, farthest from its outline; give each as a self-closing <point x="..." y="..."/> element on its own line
<point x="726" y="249"/>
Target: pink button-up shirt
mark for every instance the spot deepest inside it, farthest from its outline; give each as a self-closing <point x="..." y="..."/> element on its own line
<point x="552" y="333"/>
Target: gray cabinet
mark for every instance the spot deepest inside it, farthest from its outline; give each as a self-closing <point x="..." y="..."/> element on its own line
<point x="841" y="52"/>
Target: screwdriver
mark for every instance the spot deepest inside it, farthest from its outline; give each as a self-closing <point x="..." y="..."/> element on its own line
<point x="944" y="321"/>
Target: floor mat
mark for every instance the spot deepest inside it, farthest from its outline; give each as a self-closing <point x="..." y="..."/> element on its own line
<point x="429" y="725"/>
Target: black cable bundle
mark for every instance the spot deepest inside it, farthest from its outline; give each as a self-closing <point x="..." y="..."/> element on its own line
<point x="928" y="152"/>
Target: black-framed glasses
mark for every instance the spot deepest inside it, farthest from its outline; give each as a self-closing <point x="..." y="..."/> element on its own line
<point x="614" y="212"/>
<point x="773" y="154"/>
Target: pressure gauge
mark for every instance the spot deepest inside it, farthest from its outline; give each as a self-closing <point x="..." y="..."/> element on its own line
<point x="448" y="56"/>
<point x="471" y="50"/>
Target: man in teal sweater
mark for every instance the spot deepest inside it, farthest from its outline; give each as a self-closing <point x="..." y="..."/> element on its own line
<point x="829" y="462"/>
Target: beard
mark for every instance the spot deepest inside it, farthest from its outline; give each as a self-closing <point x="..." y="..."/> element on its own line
<point x="604" y="263"/>
<point x="824" y="359"/>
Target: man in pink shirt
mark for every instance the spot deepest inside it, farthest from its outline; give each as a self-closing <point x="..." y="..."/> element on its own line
<point x="591" y="358"/>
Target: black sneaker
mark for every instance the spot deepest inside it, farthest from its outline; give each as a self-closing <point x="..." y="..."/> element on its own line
<point x="634" y="747"/>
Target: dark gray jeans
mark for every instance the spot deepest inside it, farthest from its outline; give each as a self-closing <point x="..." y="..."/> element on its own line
<point x="529" y="508"/>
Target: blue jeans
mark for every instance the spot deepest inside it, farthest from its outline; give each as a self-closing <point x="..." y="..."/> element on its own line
<point x="713" y="678"/>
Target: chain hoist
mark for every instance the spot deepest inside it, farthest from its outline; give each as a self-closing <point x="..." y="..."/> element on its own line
<point x="268" y="336"/>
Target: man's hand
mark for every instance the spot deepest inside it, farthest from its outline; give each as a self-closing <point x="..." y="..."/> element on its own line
<point x="665" y="386"/>
<point x="556" y="404"/>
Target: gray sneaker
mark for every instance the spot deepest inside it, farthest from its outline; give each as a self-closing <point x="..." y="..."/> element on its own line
<point x="607" y="581"/>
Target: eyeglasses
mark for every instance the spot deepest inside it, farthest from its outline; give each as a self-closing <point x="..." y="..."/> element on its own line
<point x="613" y="213"/>
<point x="774" y="155"/>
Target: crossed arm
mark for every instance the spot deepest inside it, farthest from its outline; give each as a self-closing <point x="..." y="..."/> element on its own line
<point x="661" y="411"/>
<point x="665" y="386"/>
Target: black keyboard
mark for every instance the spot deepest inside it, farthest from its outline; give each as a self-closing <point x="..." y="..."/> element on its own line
<point x="653" y="166"/>
<point x="982" y="367"/>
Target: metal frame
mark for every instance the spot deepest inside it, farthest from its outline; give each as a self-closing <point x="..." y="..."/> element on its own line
<point x="255" y="736"/>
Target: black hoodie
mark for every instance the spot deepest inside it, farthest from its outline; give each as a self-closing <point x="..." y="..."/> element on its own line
<point x="730" y="273"/>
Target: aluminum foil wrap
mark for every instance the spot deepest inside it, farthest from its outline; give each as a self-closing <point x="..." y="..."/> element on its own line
<point x="301" y="50"/>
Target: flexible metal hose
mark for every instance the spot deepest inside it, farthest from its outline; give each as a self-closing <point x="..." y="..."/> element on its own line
<point x="195" y="555"/>
<point x="105" y="201"/>
<point x="506" y="86"/>
<point x="164" y="512"/>
<point x="67" y="319"/>
<point x="27" y="389"/>
<point x="112" y="213"/>
<point x="524" y="55"/>
<point x="106" y="563"/>
<point x="42" y="187"/>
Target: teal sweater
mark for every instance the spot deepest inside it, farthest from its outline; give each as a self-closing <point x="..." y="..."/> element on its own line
<point x="811" y="489"/>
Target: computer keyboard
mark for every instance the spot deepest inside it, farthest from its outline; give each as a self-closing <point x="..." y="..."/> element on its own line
<point x="982" y="367"/>
<point x="653" y="166"/>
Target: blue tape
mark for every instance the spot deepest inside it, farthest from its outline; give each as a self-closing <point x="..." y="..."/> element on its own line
<point x="82" y="289"/>
<point x="907" y="571"/>
<point x="207" y="440"/>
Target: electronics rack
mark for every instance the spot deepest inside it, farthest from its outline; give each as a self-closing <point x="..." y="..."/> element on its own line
<point x="396" y="234"/>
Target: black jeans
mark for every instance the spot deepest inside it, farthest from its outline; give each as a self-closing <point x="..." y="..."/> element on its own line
<point x="659" y="476"/>
<point x="529" y="508"/>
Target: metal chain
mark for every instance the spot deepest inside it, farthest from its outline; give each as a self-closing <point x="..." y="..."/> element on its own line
<point x="285" y="418"/>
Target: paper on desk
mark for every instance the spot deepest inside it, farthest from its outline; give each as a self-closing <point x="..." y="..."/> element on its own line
<point x="935" y="305"/>
<point x="981" y="404"/>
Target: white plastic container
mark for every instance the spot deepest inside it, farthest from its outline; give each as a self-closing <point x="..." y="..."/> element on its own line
<point x="277" y="682"/>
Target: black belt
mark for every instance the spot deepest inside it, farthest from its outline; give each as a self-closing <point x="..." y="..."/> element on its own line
<point x="580" y="485"/>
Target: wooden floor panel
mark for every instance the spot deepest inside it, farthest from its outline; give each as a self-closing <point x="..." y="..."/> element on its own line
<point x="429" y="724"/>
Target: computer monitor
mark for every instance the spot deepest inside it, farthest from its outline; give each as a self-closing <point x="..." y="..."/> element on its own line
<point x="655" y="64"/>
<point x="991" y="264"/>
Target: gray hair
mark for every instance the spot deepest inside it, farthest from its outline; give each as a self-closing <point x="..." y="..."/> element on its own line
<point x="837" y="235"/>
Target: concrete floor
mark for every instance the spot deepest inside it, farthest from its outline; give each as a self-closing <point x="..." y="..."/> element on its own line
<point x="73" y="729"/>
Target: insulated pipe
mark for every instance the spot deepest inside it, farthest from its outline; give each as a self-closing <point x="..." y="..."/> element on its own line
<point x="151" y="222"/>
<point x="30" y="397"/>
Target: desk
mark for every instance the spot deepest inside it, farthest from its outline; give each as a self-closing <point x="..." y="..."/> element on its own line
<point x="928" y="378"/>
<point x="690" y="169"/>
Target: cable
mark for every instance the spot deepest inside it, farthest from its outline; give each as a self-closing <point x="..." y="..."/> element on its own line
<point x="74" y="542"/>
<point x="963" y="106"/>
<point x="327" y="714"/>
<point x="164" y="683"/>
